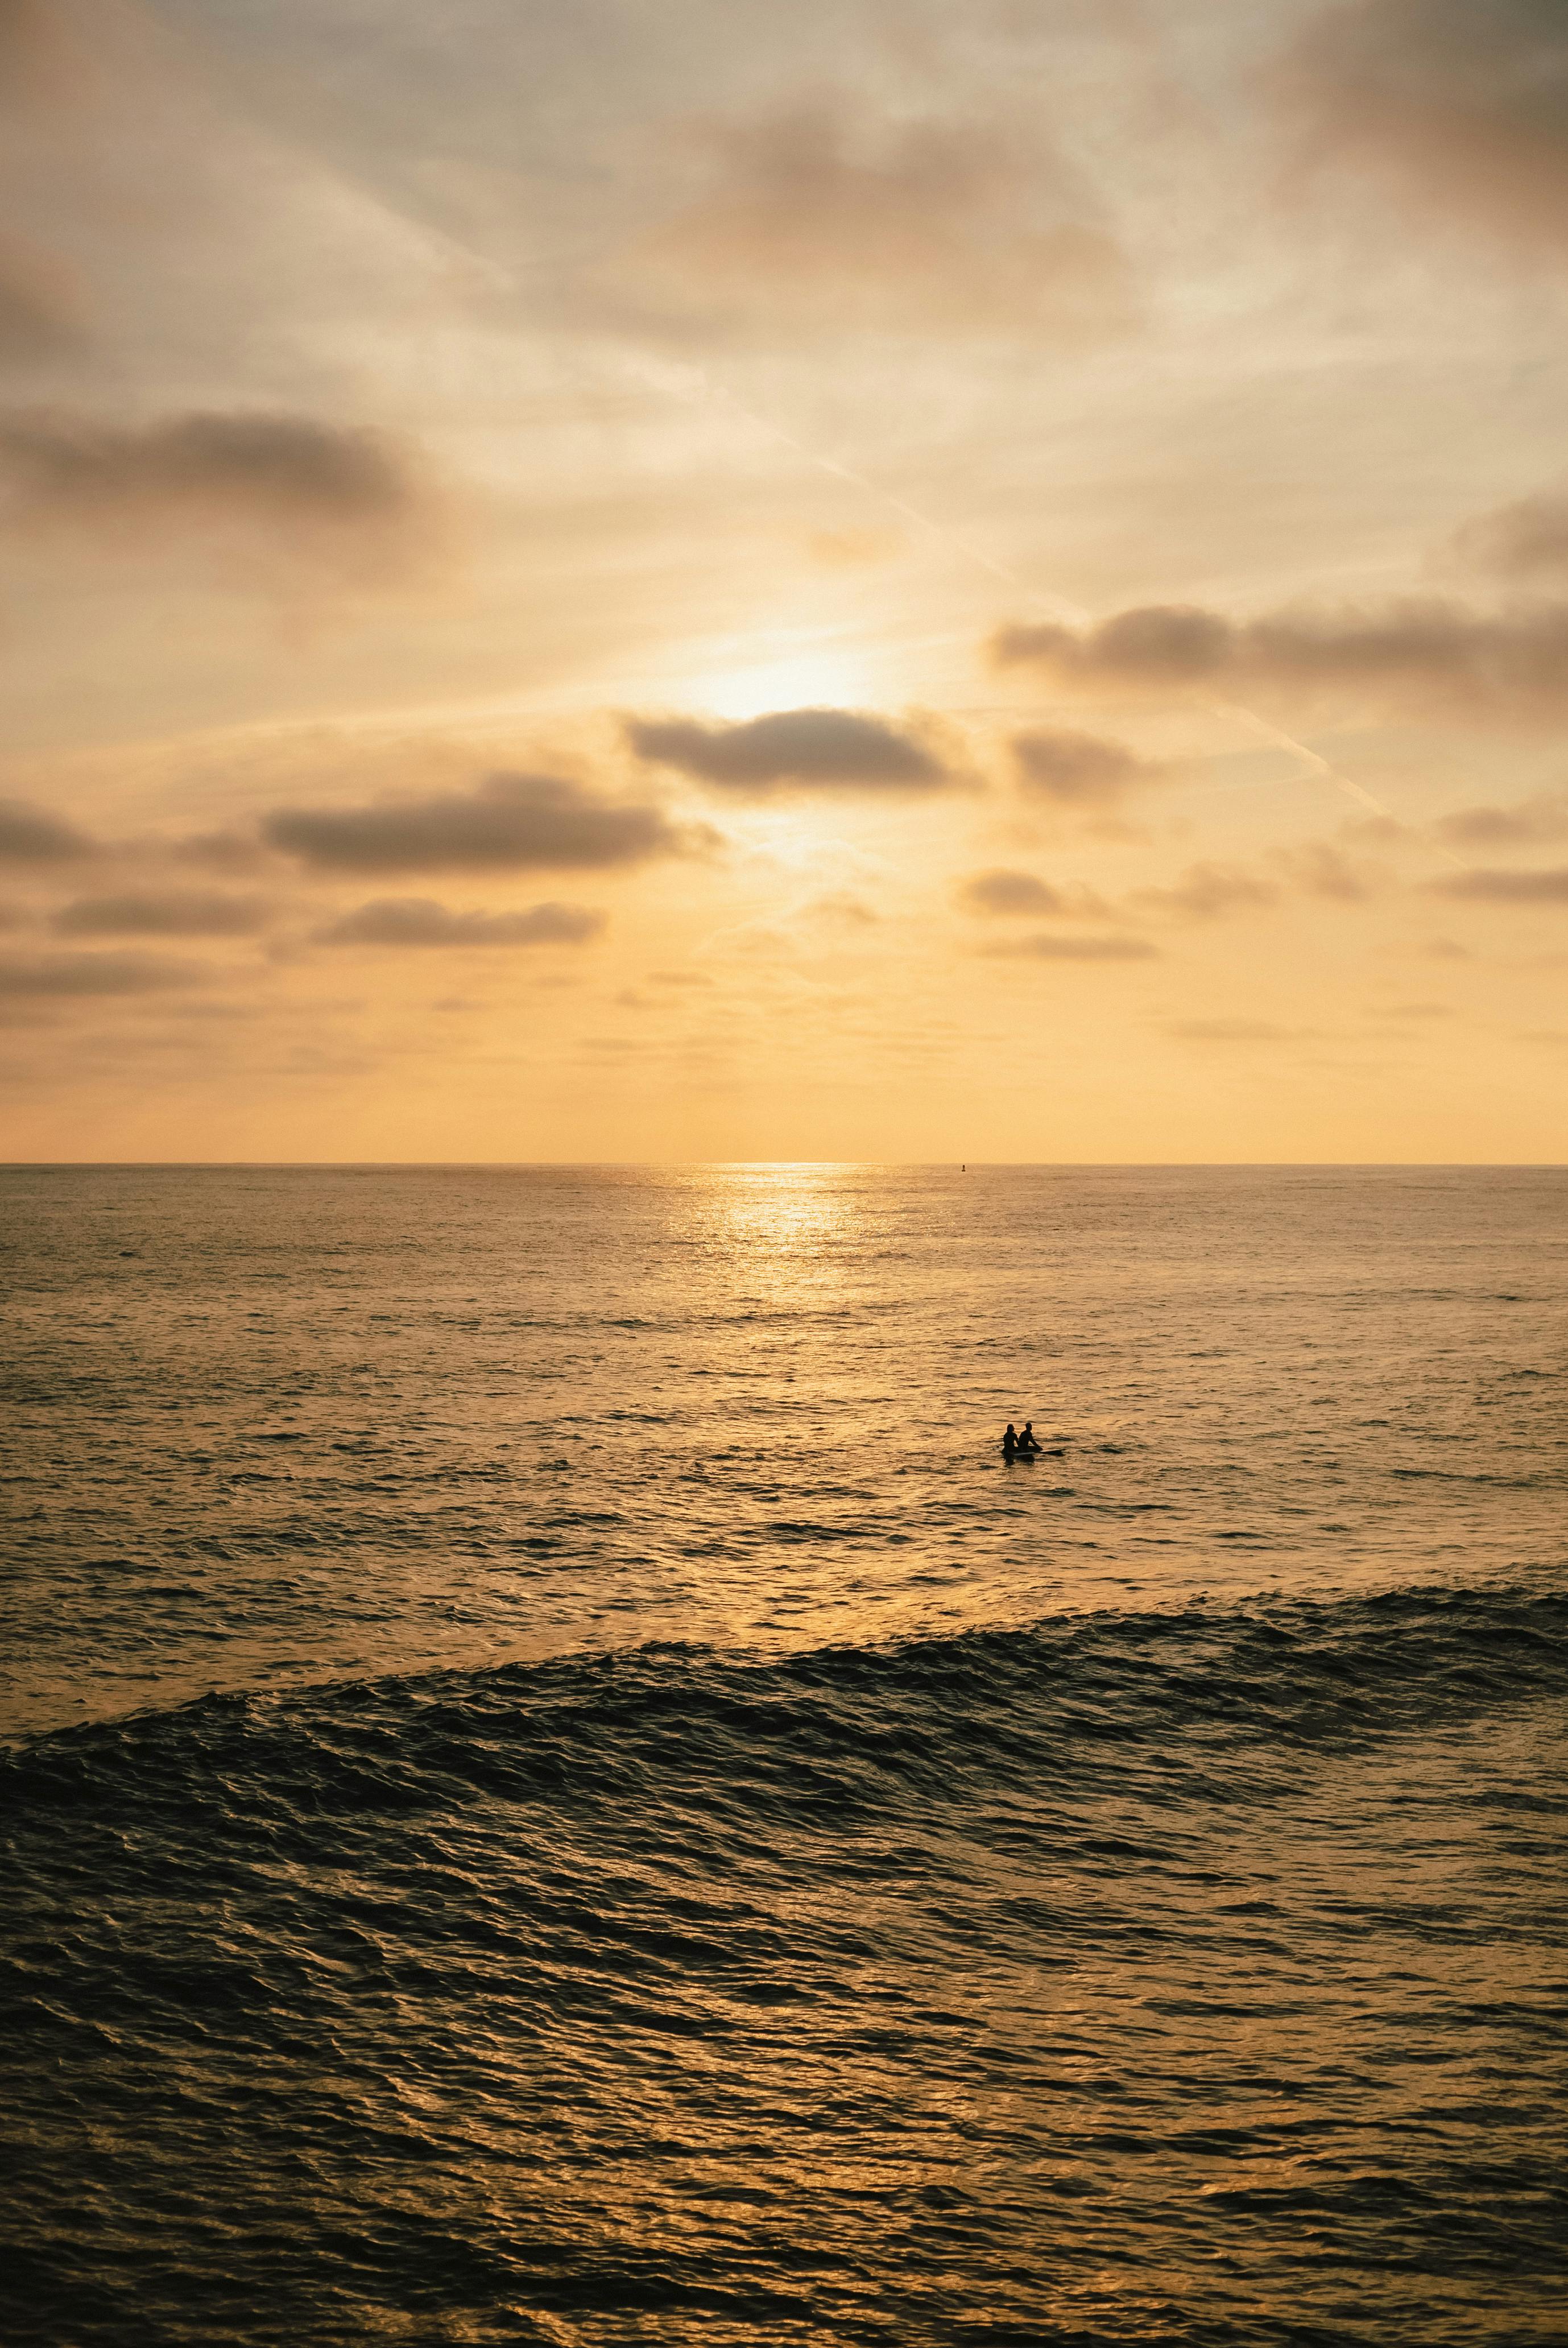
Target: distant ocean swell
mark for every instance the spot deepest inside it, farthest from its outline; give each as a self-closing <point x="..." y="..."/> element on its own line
<point x="1144" y="1977"/>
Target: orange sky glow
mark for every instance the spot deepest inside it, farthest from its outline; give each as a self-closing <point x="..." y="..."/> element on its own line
<point x="874" y="579"/>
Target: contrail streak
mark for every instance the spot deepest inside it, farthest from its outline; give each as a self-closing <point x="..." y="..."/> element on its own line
<point x="1059" y="606"/>
<point x="679" y="384"/>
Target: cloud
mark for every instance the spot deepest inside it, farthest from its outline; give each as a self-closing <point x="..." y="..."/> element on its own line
<point x="1078" y="770"/>
<point x="1205" y="891"/>
<point x="843" y="909"/>
<point x="1506" y="888"/>
<point x="67" y="974"/>
<point x="818" y="214"/>
<point x="38" y="316"/>
<point x="28" y="835"/>
<point x="1544" y="816"/>
<point x="509" y="823"/>
<point x="172" y="913"/>
<point x="287" y="473"/>
<point x="1322" y="871"/>
<point x="1463" y="102"/>
<point x="1526" y="540"/>
<point x="791" y="749"/>
<point x="421" y="921"/>
<point x="1158" y="645"/>
<point x="1050" y="947"/>
<point x="1513" y="662"/>
<point x="1023" y="896"/>
<point x="1234" y="1031"/>
<point x="42" y="54"/>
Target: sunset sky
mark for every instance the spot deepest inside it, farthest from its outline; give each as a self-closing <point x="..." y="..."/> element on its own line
<point x="872" y="579"/>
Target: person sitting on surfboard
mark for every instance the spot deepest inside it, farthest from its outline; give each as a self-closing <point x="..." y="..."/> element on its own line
<point x="1010" y="1442"/>
<point x="1026" y="1440"/>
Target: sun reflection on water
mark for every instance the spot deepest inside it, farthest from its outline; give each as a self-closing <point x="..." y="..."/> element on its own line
<point x="783" y="1208"/>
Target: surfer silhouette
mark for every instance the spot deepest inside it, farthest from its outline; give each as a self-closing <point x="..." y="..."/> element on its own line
<point x="1010" y="1442"/>
<point x="1026" y="1440"/>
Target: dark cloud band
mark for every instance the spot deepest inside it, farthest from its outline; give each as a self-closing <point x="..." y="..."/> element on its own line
<point x="510" y="823"/>
<point x="793" y="749"/>
<point x="172" y="913"/>
<point x="61" y="465"/>
<point x="421" y="921"/>
<point x="29" y="835"/>
<point x="1514" y="663"/>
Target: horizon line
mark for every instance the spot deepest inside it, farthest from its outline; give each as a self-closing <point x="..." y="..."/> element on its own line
<point x="980" y="1165"/>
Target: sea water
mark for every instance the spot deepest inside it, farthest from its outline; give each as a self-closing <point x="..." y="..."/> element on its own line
<point x="562" y="1789"/>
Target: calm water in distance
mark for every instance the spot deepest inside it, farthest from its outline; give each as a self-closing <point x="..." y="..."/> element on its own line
<point x="561" y="1789"/>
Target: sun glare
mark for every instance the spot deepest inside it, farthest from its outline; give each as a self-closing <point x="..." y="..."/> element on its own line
<point x="795" y="672"/>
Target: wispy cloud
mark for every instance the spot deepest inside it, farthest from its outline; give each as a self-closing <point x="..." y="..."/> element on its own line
<point x="830" y="214"/>
<point x="1049" y="945"/>
<point x="1025" y="896"/>
<point x="421" y="921"/>
<point x="1463" y="102"/>
<point x="38" y="317"/>
<point x="1526" y="541"/>
<point x="1078" y="770"/>
<point x="169" y="913"/>
<point x="1522" y="822"/>
<point x="1503" y="887"/>
<point x="1318" y="868"/>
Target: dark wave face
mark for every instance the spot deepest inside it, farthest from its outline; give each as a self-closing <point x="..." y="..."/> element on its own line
<point x="1183" y="1976"/>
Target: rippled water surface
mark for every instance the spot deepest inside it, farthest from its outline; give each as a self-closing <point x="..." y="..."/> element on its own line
<point x="560" y="1791"/>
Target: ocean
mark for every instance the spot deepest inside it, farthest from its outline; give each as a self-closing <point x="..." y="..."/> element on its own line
<point x="558" y="1789"/>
